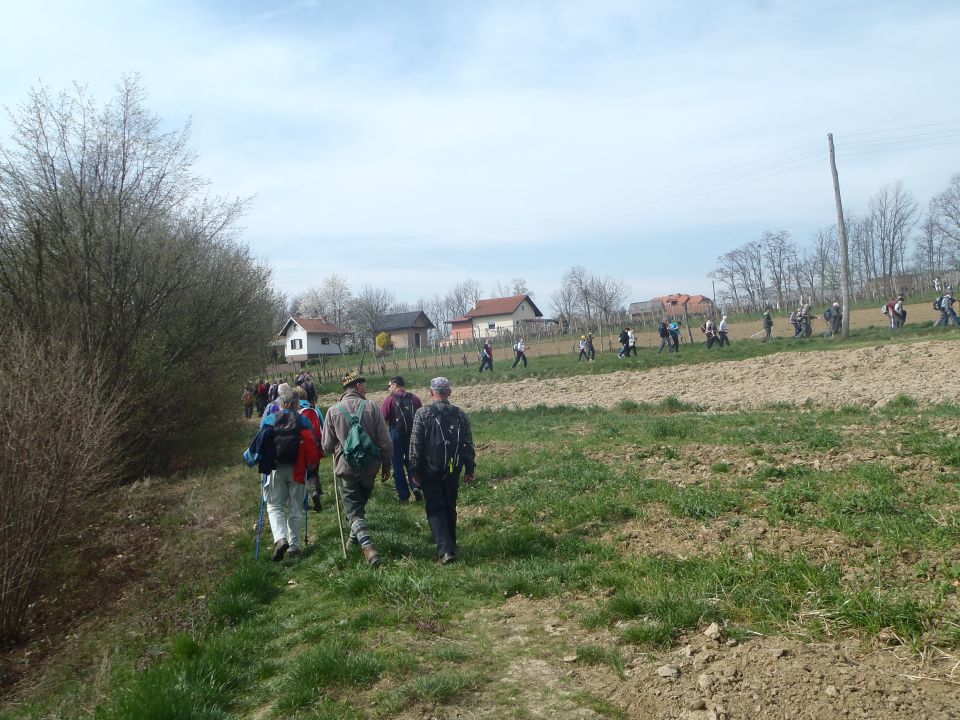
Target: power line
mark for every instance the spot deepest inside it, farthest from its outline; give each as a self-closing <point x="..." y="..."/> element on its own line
<point x="785" y="161"/>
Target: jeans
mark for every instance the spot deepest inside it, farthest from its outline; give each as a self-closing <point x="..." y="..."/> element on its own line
<point x="486" y="362"/>
<point x="520" y="356"/>
<point x="401" y="463"/>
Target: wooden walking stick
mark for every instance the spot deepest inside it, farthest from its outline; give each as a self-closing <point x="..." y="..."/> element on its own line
<point x="336" y="500"/>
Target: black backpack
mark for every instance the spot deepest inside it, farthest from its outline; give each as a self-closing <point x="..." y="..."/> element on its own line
<point x="403" y="420"/>
<point x="442" y="442"/>
<point x="286" y="437"/>
<point x="624" y="338"/>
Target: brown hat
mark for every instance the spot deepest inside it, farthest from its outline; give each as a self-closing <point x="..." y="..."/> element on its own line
<point x="352" y="378"/>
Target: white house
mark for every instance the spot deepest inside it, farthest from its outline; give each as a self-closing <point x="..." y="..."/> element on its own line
<point x="496" y="316"/>
<point x="307" y="338"/>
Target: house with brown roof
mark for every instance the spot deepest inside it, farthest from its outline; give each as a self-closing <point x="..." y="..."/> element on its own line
<point x="407" y="329"/>
<point x="496" y="316"/>
<point x="307" y="338"/>
<point x="673" y="305"/>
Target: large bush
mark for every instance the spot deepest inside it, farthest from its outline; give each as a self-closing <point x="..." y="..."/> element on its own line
<point x="61" y="427"/>
<point x="105" y="228"/>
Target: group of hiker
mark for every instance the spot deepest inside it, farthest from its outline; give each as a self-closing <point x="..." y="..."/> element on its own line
<point x="427" y="448"/>
<point x="519" y="355"/>
<point x="718" y="334"/>
<point x="262" y="393"/>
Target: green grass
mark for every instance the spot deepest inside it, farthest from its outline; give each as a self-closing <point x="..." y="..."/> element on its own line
<point x="549" y="526"/>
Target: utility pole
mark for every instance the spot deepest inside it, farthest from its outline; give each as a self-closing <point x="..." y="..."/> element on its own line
<point x="844" y="257"/>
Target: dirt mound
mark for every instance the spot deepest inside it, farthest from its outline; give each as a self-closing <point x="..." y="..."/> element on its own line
<point x="862" y="376"/>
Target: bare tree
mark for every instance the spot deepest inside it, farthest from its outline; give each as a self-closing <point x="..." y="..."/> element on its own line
<point x="825" y="257"/>
<point x="311" y="304"/>
<point x="778" y="253"/>
<point x="104" y="226"/>
<point x="563" y="303"/>
<point x="893" y="215"/>
<point x="370" y="306"/>
<point x="945" y="211"/>
<point x="728" y="277"/>
<point x="609" y="294"/>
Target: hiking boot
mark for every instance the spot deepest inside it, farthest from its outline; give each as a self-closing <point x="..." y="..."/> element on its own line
<point x="280" y="549"/>
<point x="315" y="498"/>
<point x="447" y="558"/>
<point x="371" y="555"/>
<point x="418" y="494"/>
<point x="293" y="552"/>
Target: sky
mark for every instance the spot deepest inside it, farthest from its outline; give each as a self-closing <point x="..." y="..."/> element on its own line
<point x="413" y="145"/>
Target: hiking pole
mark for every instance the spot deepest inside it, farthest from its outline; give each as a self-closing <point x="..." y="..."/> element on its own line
<point x="263" y="501"/>
<point x="336" y="500"/>
<point x="306" y="519"/>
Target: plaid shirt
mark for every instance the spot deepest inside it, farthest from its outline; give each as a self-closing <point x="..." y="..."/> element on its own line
<point x="418" y="459"/>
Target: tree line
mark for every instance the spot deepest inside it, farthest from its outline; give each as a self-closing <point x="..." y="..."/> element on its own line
<point x="895" y="245"/>
<point x="129" y="308"/>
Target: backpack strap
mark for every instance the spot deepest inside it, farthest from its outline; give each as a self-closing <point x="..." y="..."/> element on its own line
<point x="353" y="418"/>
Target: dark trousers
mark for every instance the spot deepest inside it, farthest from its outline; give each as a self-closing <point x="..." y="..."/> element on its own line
<point x="486" y="362"/>
<point x="722" y="337"/>
<point x="520" y="356"/>
<point x="583" y="356"/>
<point x="401" y="463"/>
<point x="440" y="498"/>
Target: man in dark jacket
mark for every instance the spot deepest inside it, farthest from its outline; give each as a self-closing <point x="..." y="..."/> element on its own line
<point x="441" y="447"/>
<point x="357" y="486"/>
<point x="398" y="409"/>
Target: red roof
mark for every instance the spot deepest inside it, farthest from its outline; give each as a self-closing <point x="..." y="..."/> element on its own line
<point x="501" y="306"/>
<point x="315" y="325"/>
<point x="683" y="299"/>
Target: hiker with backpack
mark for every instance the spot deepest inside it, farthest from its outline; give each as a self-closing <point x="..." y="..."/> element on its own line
<point x="356" y="434"/>
<point x="486" y="357"/>
<point x="315" y="417"/>
<point x="519" y="350"/>
<point x="663" y="330"/>
<point x="441" y="447"/>
<point x="674" y="329"/>
<point x="767" y="324"/>
<point x="290" y="438"/>
<point x="723" y="330"/>
<point x="624" y="340"/>
<point x="707" y="329"/>
<point x="583" y="349"/>
<point x="944" y="304"/>
<point x="262" y="390"/>
<point x="247" y="400"/>
<point x="591" y="351"/>
<point x="834" y="317"/>
<point x="398" y="409"/>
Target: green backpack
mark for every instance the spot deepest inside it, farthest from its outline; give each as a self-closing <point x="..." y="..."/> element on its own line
<point x="359" y="450"/>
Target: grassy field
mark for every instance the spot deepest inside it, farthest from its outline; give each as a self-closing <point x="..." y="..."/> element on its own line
<point x="635" y="525"/>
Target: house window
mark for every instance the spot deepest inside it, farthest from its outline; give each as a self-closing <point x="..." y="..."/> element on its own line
<point x="324" y="341"/>
<point x="491" y="326"/>
<point x="296" y="344"/>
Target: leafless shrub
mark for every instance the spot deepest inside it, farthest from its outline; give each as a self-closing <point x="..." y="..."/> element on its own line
<point x="61" y="429"/>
